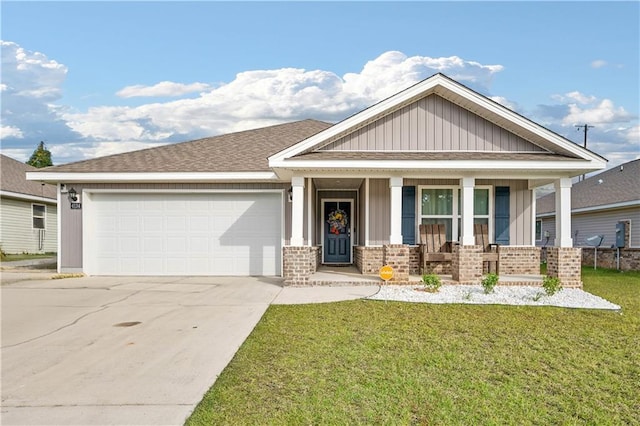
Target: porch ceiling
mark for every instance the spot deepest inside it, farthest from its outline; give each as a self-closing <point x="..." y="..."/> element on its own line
<point x="337" y="183"/>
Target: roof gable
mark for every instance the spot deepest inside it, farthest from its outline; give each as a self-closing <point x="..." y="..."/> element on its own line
<point x="527" y="133"/>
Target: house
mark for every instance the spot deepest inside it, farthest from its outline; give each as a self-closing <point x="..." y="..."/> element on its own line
<point x="598" y="204"/>
<point x="284" y="199"/>
<point x="28" y="211"/>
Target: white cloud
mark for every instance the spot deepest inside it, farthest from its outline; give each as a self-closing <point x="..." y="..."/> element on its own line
<point x="505" y="102"/>
<point x="598" y="63"/>
<point x="632" y="135"/>
<point x="10" y="132"/>
<point x="394" y="71"/>
<point x="162" y="89"/>
<point x="31" y="74"/>
<point x="575" y="96"/>
<point x="596" y="112"/>
<point x="264" y="97"/>
<point x="31" y="82"/>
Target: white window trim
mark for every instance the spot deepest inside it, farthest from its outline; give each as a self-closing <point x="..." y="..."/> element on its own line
<point x="455" y="234"/>
<point x="44" y="216"/>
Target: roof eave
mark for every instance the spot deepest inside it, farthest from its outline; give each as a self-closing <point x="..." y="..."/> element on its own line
<point x="27" y="197"/>
<point x="567" y="166"/>
<point x="161" y="177"/>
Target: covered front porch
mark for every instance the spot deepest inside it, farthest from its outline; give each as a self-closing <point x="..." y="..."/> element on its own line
<point x="343" y="230"/>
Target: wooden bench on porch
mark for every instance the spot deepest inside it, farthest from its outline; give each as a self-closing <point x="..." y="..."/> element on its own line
<point x="490" y="250"/>
<point x="434" y="246"/>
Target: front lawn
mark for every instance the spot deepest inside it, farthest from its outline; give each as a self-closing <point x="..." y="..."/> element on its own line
<point x="26" y="256"/>
<point x="372" y="362"/>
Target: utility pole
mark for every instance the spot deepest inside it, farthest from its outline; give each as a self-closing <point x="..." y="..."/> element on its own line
<point x="586" y="128"/>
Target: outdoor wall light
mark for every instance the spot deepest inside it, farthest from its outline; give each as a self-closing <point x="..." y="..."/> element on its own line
<point x="73" y="195"/>
<point x="290" y="193"/>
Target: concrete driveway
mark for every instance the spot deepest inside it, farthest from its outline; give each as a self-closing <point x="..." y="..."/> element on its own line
<point x="127" y="350"/>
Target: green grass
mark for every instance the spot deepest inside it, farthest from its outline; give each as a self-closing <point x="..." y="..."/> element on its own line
<point x="26" y="256"/>
<point x="372" y="362"/>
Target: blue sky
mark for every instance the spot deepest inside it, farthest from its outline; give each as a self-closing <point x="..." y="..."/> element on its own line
<point x="97" y="78"/>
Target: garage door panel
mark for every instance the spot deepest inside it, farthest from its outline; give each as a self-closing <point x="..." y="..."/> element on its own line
<point x="185" y="234"/>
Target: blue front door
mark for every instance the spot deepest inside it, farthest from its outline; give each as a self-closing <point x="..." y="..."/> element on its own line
<point x="337" y="231"/>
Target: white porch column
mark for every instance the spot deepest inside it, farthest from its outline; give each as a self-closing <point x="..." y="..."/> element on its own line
<point x="468" y="185"/>
<point x="395" y="183"/>
<point x="297" y="211"/>
<point x="563" y="213"/>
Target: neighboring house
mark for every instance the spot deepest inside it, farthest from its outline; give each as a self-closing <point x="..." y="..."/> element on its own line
<point x="598" y="203"/>
<point x="282" y="199"/>
<point x="28" y="211"/>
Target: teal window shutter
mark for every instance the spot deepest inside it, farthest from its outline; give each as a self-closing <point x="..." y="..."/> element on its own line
<point x="408" y="214"/>
<point x="502" y="215"/>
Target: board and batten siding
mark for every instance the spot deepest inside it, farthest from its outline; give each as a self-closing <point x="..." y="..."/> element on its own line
<point x="71" y="220"/>
<point x="432" y="124"/>
<point x="17" y="234"/>
<point x="379" y="212"/>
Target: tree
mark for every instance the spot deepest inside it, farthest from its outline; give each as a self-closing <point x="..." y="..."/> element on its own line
<point x="41" y="157"/>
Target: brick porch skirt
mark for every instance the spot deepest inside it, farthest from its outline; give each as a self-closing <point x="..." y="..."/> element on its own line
<point x="466" y="267"/>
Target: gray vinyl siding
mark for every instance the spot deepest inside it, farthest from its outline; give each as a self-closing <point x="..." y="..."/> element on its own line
<point x="16" y="232"/>
<point x="432" y="124"/>
<point x="548" y="225"/>
<point x="379" y="211"/>
<point x="71" y="220"/>
<point x="585" y="225"/>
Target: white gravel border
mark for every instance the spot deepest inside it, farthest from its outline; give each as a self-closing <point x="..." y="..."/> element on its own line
<point x="502" y="295"/>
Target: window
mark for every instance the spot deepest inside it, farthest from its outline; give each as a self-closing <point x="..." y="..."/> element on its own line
<point x="539" y="230"/>
<point x="437" y="205"/>
<point x="38" y="212"/>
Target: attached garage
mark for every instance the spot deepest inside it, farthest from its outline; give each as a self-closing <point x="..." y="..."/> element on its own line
<point x="214" y="233"/>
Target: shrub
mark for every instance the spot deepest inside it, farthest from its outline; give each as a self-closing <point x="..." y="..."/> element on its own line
<point x="551" y="285"/>
<point x="489" y="282"/>
<point x="431" y="282"/>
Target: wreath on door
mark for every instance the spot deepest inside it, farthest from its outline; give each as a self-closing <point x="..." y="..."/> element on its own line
<point x="337" y="221"/>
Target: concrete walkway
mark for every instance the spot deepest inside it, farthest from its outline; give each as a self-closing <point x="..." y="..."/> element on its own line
<point x="127" y="350"/>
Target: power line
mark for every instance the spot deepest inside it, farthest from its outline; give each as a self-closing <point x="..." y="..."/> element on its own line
<point x="585" y="127"/>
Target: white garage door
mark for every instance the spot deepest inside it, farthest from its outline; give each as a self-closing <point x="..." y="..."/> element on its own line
<point x="183" y="234"/>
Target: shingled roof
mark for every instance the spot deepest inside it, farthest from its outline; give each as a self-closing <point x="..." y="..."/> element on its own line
<point x="14" y="179"/>
<point x="245" y="151"/>
<point x="616" y="185"/>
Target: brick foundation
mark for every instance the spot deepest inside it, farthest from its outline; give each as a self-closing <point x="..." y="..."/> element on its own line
<point x="466" y="264"/>
<point x="565" y="263"/>
<point x="299" y="263"/>
<point x="519" y="260"/>
<point x="397" y="256"/>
